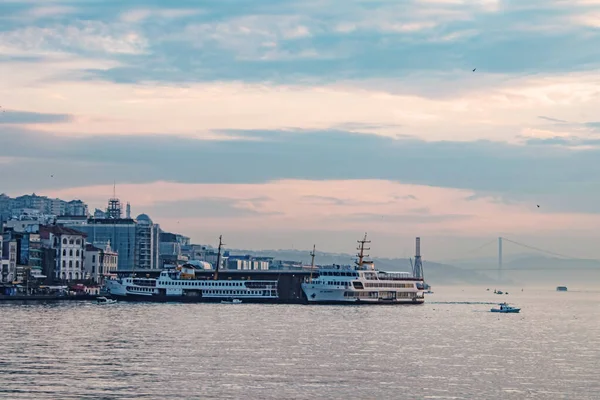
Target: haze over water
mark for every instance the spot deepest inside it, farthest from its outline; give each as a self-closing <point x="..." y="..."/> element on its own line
<point x="440" y="350"/>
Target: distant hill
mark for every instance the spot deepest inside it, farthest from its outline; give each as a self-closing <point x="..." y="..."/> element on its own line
<point x="435" y="273"/>
<point x="521" y="270"/>
<point x="535" y="270"/>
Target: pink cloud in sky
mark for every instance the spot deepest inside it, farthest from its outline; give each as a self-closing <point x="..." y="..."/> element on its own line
<point x="373" y="205"/>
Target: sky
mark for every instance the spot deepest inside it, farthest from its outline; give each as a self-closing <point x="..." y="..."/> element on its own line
<point x="287" y="124"/>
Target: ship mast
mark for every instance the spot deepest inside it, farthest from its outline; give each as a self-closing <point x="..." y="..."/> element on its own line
<point x="312" y="263"/>
<point x="221" y="244"/>
<point x="361" y="248"/>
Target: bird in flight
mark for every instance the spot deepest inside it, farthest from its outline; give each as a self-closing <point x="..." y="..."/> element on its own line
<point x="474" y="69"/>
<point x="538" y="206"/>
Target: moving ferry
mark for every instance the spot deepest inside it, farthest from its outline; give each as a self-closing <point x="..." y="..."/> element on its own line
<point x="362" y="284"/>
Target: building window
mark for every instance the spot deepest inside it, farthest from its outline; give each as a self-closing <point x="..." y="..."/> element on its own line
<point x="64" y="264"/>
<point x="71" y="241"/>
<point x="65" y="241"/>
<point x="70" y="264"/>
<point x="78" y="241"/>
<point x="77" y="264"/>
<point x="64" y="252"/>
<point x="93" y="258"/>
<point x="93" y="269"/>
<point x="77" y="253"/>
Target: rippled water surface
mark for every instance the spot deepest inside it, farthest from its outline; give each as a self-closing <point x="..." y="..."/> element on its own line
<point x="441" y="350"/>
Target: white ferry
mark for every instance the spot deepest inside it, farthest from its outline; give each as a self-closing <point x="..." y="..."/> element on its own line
<point x="362" y="284"/>
<point x="181" y="284"/>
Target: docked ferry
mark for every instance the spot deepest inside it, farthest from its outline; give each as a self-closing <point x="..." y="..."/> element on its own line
<point x="182" y="284"/>
<point x="362" y="284"/>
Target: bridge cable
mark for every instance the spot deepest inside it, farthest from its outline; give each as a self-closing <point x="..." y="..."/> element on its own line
<point x="547" y="251"/>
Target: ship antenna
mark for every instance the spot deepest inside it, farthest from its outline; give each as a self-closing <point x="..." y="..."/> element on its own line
<point x="361" y="248"/>
<point x="221" y="244"/>
<point x="312" y="263"/>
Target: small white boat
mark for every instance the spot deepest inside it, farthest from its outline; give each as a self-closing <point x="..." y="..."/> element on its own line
<point x="505" y="308"/>
<point x="234" y="301"/>
<point x="104" y="300"/>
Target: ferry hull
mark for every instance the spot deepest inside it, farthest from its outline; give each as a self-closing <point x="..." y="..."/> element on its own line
<point x="316" y="295"/>
<point x="367" y="303"/>
<point x="198" y="299"/>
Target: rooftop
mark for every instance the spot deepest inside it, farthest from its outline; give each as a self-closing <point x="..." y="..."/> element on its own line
<point x="59" y="230"/>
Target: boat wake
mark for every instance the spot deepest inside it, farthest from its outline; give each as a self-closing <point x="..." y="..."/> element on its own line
<point x="461" y="302"/>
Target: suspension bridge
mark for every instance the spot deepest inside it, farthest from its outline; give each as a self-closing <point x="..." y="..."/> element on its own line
<point x="499" y="242"/>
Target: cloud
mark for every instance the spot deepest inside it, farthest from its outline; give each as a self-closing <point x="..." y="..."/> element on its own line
<point x="231" y="206"/>
<point x="562" y="121"/>
<point x="560" y="177"/>
<point x="79" y="37"/>
<point x="294" y="41"/>
<point x="498" y="111"/>
<point x="50" y="11"/>
<point x="142" y="14"/>
<point x="206" y="208"/>
<point x="8" y="116"/>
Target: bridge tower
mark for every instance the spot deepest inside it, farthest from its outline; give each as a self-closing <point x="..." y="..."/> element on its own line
<point x="418" y="267"/>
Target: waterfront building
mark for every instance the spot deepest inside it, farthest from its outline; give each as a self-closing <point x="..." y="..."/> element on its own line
<point x="170" y="249"/>
<point x="147" y="243"/>
<point x="120" y="233"/>
<point x="68" y="245"/>
<point x="135" y="240"/>
<point x="2" y="272"/>
<point x="23" y="225"/>
<point x="9" y="260"/>
<point x="48" y="264"/>
<point x="100" y="263"/>
<point x="248" y="262"/>
<point x="286" y="264"/>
